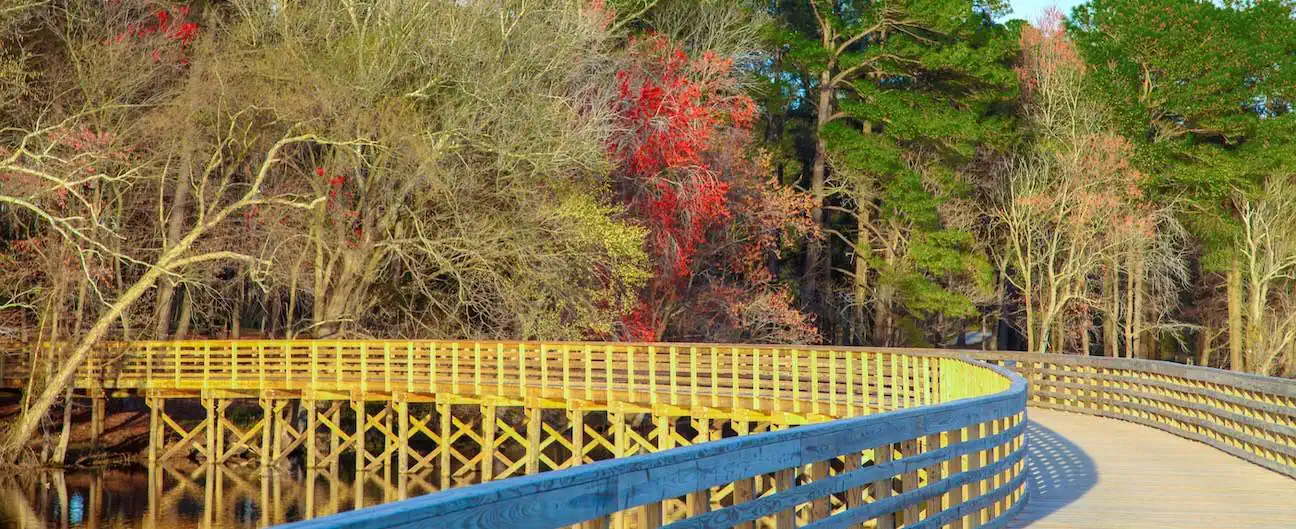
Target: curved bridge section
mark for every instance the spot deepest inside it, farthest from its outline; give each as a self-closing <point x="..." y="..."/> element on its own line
<point x="597" y="435"/>
<point x="1247" y="416"/>
<point x="604" y="435"/>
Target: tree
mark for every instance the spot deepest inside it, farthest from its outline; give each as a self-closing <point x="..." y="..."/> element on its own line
<point x="478" y="212"/>
<point x="901" y="96"/>
<point x="1268" y="250"/>
<point x="1202" y="90"/>
<point x="686" y="172"/>
<point x="1072" y="212"/>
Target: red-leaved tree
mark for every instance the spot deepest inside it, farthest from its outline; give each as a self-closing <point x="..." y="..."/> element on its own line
<point x="688" y="171"/>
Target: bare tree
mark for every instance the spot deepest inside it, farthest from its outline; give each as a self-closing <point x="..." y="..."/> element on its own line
<point x="1268" y="251"/>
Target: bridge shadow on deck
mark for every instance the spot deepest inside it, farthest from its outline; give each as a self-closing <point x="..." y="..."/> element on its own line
<point x="1060" y="472"/>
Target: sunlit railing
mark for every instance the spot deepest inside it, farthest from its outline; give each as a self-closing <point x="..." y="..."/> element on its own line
<point x="811" y="380"/>
<point x="1249" y="416"/>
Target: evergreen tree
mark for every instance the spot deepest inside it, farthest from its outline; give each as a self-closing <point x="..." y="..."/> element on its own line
<point x="901" y="93"/>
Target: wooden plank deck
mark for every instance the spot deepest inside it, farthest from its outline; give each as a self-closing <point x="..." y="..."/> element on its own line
<point x="1103" y="473"/>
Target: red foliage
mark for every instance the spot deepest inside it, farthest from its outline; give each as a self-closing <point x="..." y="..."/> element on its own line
<point x="671" y="107"/>
<point x="686" y="172"/>
<point x="164" y="34"/>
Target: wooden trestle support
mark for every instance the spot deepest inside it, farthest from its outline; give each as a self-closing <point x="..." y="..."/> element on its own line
<point x="448" y="440"/>
<point x="460" y="439"/>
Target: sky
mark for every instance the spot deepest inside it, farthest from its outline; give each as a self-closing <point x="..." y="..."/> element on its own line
<point x="1030" y="10"/>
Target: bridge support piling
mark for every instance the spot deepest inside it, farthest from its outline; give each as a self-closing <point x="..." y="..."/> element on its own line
<point x="932" y="474"/>
<point x="220" y="423"/>
<point x="443" y="415"/>
<point x="533" y="430"/>
<point x="280" y="429"/>
<point x="98" y="408"/>
<point x="208" y="451"/>
<point x="743" y="489"/>
<point x="488" y="442"/>
<point x="389" y="442"/>
<point x="975" y="488"/>
<point x="955" y="494"/>
<point x="311" y="434"/>
<point x="854" y="495"/>
<point x="578" y="437"/>
<point x="401" y="403"/>
<point x="267" y="427"/>
<point x="361" y="422"/>
<point x="650" y="516"/>
<point x="155" y="426"/>
<point x="820" y="508"/>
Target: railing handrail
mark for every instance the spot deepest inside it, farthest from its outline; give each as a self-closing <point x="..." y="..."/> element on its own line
<point x="565" y="497"/>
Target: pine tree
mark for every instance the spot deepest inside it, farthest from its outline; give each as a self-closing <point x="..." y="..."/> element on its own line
<point x="902" y="95"/>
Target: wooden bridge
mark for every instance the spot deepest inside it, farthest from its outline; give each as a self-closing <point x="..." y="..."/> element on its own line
<point x="703" y="435"/>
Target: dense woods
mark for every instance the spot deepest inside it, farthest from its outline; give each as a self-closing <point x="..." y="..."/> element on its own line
<point x="1113" y="181"/>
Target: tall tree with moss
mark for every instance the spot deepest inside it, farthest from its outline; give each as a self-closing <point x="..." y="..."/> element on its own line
<point x="897" y="96"/>
<point x="1203" y="90"/>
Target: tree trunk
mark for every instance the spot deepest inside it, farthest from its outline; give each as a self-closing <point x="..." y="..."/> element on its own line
<point x="175" y="226"/>
<point x="186" y="314"/>
<point x="1031" y="339"/>
<point x="1110" y="340"/>
<point x="1204" y="345"/>
<point x="236" y="312"/>
<point x="26" y="425"/>
<point x="816" y="265"/>
<point x="884" y="324"/>
<point x="1140" y="343"/>
<point x="863" y="250"/>
<point x="1086" y="324"/>
<point x="60" y="452"/>
<point x="290" y="329"/>
<point x="1129" y="307"/>
<point x="1001" y="300"/>
<point x="1233" y="285"/>
<point x="276" y="313"/>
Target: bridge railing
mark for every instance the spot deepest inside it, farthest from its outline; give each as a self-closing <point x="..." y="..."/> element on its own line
<point x="958" y="462"/>
<point x="923" y="438"/>
<point x="1248" y="416"/>
<point x="811" y="381"/>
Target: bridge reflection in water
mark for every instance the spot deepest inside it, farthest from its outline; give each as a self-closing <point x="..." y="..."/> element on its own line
<point x="193" y="497"/>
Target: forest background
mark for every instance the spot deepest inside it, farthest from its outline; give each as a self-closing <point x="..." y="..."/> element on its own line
<point x="1115" y="181"/>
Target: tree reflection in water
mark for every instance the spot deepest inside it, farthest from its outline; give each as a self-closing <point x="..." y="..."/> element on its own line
<point x="218" y="497"/>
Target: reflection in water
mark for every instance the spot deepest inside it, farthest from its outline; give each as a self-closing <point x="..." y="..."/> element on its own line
<point x="197" y="497"/>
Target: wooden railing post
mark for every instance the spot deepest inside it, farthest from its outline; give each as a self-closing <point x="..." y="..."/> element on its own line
<point x="785" y="479"/>
<point x="882" y="487"/>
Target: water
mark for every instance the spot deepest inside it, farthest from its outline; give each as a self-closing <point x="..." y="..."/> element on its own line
<point x="192" y="497"/>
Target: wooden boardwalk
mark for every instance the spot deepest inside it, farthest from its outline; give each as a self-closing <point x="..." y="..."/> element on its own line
<point x="1094" y="472"/>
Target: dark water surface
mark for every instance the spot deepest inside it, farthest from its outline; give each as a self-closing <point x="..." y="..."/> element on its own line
<point x="195" y="497"/>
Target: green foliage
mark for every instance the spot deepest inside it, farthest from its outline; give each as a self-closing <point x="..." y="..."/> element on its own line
<point x="1204" y="89"/>
<point x="940" y="258"/>
<point x="924" y="86"/>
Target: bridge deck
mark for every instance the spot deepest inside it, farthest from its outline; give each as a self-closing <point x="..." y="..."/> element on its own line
<point x="1094" y="472"/>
